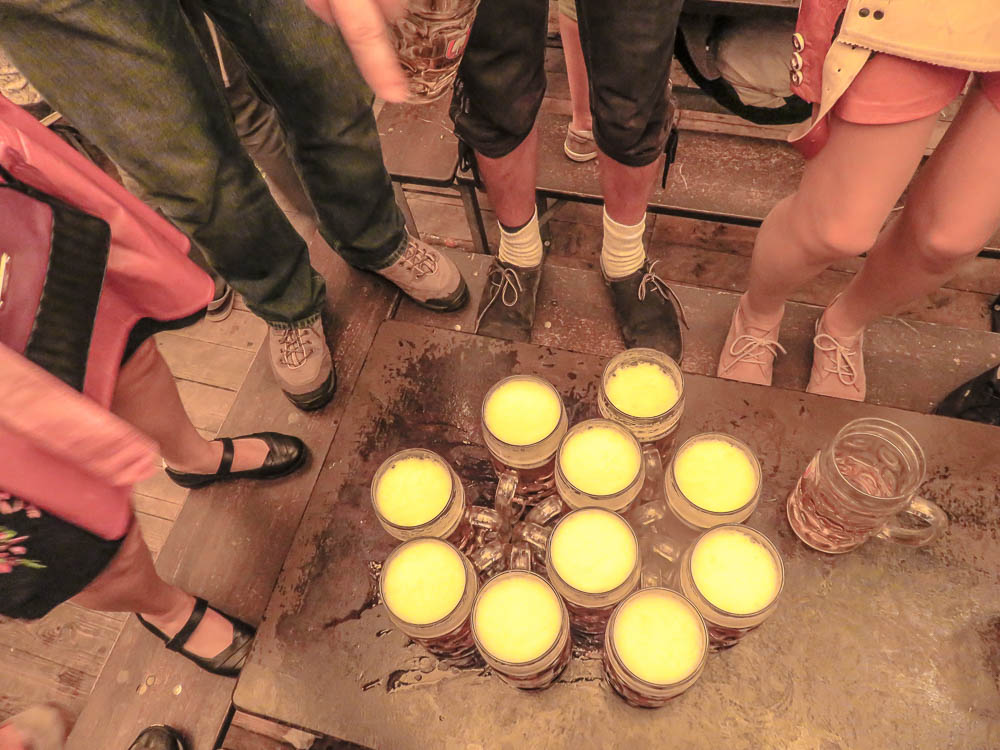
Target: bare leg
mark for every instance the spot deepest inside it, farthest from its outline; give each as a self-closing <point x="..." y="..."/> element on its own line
<point x="846" y="192"/>
<point x="510" y="181"/>
<point x="130" y="583"/>
<point x="576" y="72"/>
<point x="146" y="396"/>
<point x="952" y="209"/>
<point x="626" y="189"/>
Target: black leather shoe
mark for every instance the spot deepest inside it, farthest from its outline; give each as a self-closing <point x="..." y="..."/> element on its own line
<point x="285" y="454"/>
<point x="648" y="312"/>
<point x="158" y="737"/>
<point x="978" y="400"/>
<point x="227" y="662"/>
<point x="507" y="310"/>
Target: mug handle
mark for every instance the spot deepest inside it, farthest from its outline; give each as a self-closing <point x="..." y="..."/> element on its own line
<point x="930" y="513"/>
<point x="520" y="556"/>
<point x="489" y="559"/>
<point x="536" y="537"/>
<point x="551" y="507"/>
<point x="653" y="488"/>
<point x="486" y="519"/>
<point x="506" y="497"/>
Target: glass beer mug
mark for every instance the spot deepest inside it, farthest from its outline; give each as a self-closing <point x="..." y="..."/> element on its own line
<point x="415" y="492"/>
<point x="655" y="647"/>
<point x="521" y="628"/>
<point x="856" y="487"/>
<point x="733" y="575"/>
<point x="523" y="421"/>
<point x="643" y="390"/>
<point x="430" y="38"/>
<point x="428" y="588"/>
<point x="599" y="464"/>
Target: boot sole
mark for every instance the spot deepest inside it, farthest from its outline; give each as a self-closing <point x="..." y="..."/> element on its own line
<point x="316" y="399"/>
<point x="454" y="301"/>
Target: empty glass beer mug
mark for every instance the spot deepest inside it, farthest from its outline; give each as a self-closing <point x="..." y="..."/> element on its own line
<point x="643" y="390"/>
<point x="523" y="421"/>
<point x="521" y="628"/>
<point x="599" y="464"/>
<point x="430" y="38"/>
<point x="733" y="575"/>
<point x="858" y="486"/>
<point x="428" y="588"/>
<point x="415" y="492"/>
<point x="655" y="647"/>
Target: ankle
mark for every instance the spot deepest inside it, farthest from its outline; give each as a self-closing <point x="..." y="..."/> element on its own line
<point x="205" y="461"/>
<point x="172" y="618"/>
<point x="582" y="124"/>
<point x="838" y="324"/>
<point x="622" y="251"/>
<point x="521" y="246"/>
<point x="765" y="318"/>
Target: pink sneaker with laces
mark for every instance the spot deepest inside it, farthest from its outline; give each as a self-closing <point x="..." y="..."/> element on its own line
<point x="838" y="367"/>
<point x="749" y="352"/>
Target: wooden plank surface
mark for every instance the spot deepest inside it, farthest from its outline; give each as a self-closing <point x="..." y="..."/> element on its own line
<point x="574" y="313"/>
<point x="885" y="612"/>
<point x="230" y="540"/>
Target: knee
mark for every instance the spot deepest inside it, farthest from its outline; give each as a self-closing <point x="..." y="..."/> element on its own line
<point x="940" y="246"/>
<point x="829" y="237"/>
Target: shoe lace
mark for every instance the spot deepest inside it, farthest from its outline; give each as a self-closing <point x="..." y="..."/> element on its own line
<point x="752" y="350"/>
<point x="505" y="285"/>
<point x="296" y="346"/>
<point x="651" y="281"/>
<point x="843" y="364"/>
<point x="420" y="260"/>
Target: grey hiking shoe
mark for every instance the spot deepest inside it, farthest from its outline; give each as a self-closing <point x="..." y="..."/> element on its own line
<point x="428" y="277"/>
<point x="507" y="310"/>
<point x="302" y="364"/>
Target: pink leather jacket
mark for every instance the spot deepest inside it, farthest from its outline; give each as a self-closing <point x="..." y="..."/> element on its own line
<point x="61" y="450"/>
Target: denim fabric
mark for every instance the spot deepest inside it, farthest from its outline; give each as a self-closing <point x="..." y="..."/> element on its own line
<point x="133" y="78"/>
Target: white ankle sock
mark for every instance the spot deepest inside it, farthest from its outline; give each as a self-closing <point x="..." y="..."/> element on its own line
<point x="524" y="247"/>
<point x="622" y="252"/>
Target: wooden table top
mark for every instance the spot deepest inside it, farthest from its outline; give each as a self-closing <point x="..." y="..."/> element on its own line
<point x="885" y="647"/>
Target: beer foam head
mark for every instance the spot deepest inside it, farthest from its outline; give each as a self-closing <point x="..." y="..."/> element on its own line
<point x="715" y="474"/>
<point x="517" y="617"/>
<point x="734" y="571"/>
<point x="413" y="489"/>
<point x="522" y="410"/>
<point x="600" y="458"/>
<point x="423" y="581"/>
<point x="593" y="550"/>
<point x="641" y="389"/>
<point x="659" y="636"/>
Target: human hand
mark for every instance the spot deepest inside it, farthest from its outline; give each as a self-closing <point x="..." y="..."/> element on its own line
<point x="363" y="25"/>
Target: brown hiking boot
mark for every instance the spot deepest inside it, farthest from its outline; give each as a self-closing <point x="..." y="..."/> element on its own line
<point x="302" y="364"/>
<point x="428" y="277"/>
<point x="648" y="312"/>
<point x="838" y="367"/>
<point x="749" y="352"/>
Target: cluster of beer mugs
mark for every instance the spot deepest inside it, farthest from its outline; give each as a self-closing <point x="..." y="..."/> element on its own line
<point x="590" y="537"/>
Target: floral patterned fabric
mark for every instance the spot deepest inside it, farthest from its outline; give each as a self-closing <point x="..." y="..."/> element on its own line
<point x="13" y="548"/>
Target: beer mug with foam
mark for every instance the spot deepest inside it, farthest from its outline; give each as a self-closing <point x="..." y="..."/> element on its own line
<point x="599" y="464"/>
<point x="523" y="421"/>
<point x="415" y="492"/>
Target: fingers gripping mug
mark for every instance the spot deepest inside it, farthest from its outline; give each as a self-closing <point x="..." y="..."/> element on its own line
<point x="858" y="486"/>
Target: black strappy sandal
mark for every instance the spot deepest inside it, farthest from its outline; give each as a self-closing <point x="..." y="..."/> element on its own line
<point x="285" y="454"/>
<point x="227" y="662"/>
<point x="158" y="737"/>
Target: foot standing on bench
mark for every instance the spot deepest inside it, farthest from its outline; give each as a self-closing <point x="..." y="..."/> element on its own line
<point x="864" y="150"/>
<point x="134" y="78"/>
<point x="499" y="89"/>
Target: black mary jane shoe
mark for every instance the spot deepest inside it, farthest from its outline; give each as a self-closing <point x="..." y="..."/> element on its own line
<point x="648" y="312"/>
<point x="158" y="737"/>
<point x="227" y="662"/>
<point x="285" y="454"/>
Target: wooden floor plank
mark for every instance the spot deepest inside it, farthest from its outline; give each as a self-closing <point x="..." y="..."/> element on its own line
<point x="161" y="487"/>
<point x="241" y="330"/>
<point x="70" y="636"/>
<point x="212" y="364"/>
<point x="154" y="506"/>
<point x="206" y="405"/>
<point x="30" y="678"/>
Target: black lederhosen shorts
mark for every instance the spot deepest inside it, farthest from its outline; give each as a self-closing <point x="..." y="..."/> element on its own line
<point x="627" y="46"/>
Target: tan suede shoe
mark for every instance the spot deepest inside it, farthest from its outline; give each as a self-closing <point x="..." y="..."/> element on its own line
<point x="579" y="145"/>
<point x="838" y="367"/>
<point x="749" y="352"/>
<point x="302" y="365"/>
